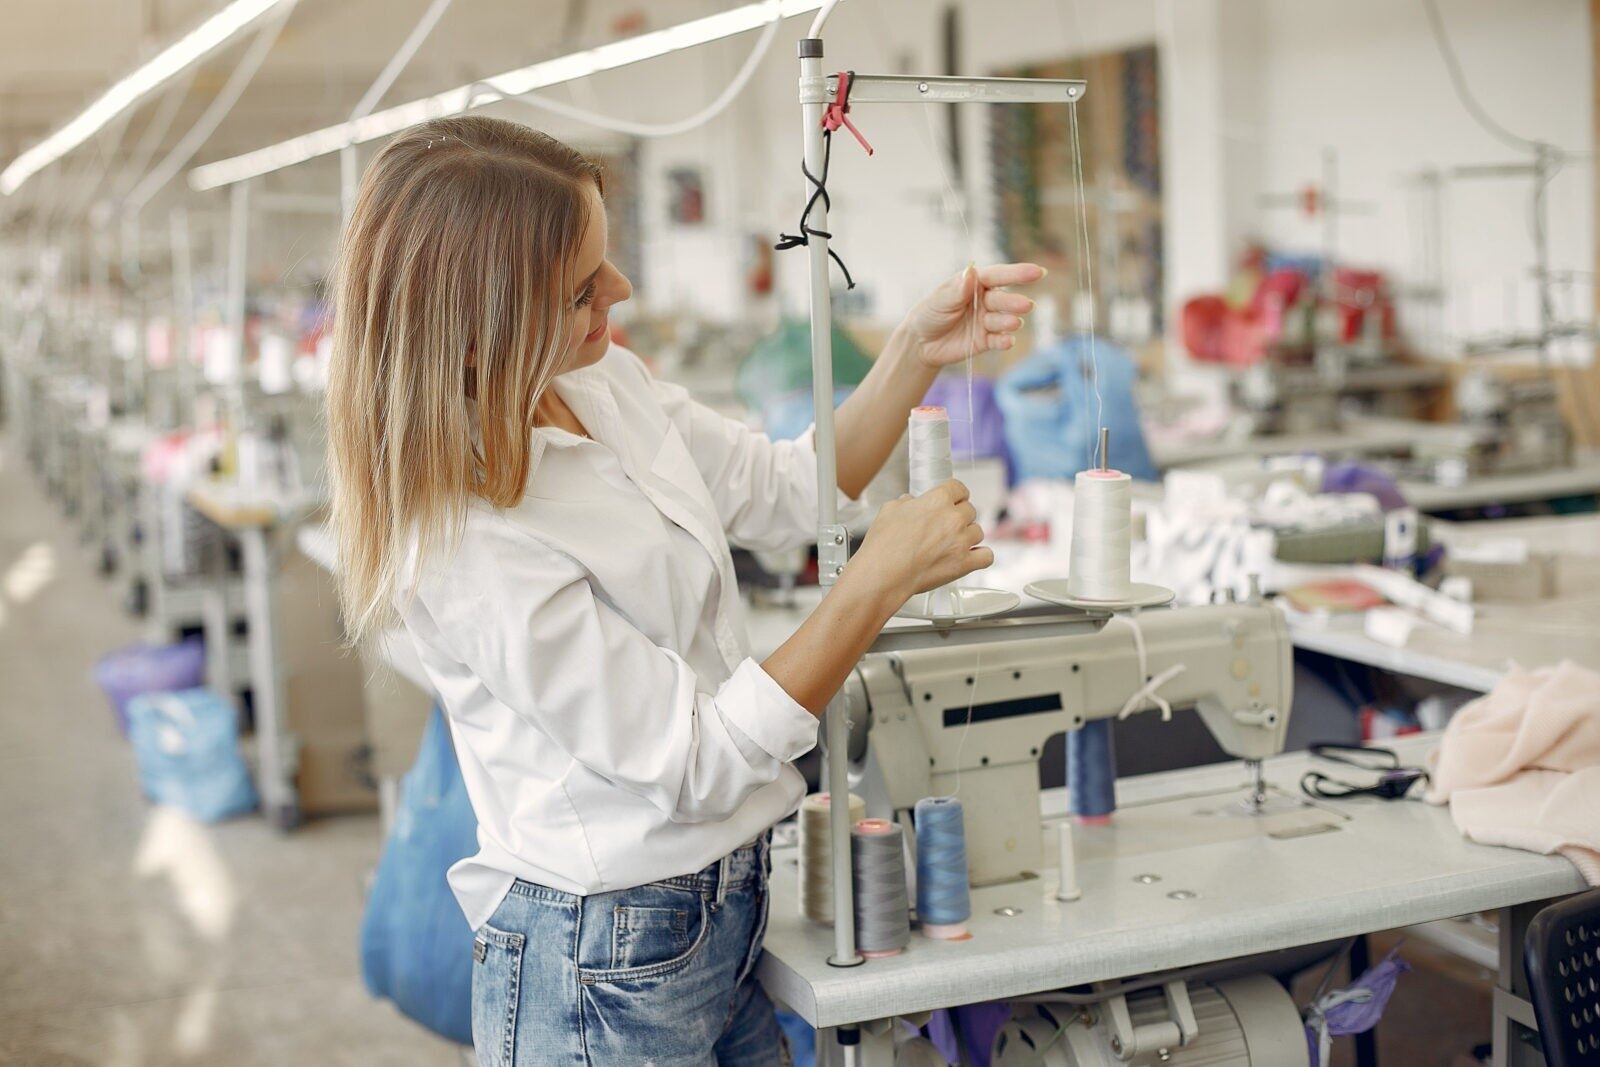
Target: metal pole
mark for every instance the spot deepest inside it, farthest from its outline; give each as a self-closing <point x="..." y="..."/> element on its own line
<point x="238" y="260"/>
<point x="833" y="546"/>
<point x="182" y="315"/>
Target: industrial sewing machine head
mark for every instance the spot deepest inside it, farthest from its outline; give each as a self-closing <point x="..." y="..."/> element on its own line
<point x="1021" y="680"/>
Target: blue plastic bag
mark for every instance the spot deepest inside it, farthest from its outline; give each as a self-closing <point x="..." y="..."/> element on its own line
<point x="1051" y="411"/>
<point x="416" y="946"/>
<point x="187" y="747"/>
<point x="137" y="669"/>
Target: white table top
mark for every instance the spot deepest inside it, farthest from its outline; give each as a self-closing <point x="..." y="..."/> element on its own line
<point x="232" y="506"/>
<point x="1530" y="633"/>
<point x="1382" y="866"/>
<point x="1582" y="477"/>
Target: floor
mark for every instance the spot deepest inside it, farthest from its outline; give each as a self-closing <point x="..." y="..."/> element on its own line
<point x="131" y="935"/>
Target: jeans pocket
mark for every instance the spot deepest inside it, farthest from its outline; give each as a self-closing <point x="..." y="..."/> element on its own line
<point x="496" y="990"/>
<point x="654" y="940"/>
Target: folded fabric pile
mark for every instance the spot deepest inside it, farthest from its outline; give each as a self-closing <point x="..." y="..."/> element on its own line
<point x="1520" y="766"/>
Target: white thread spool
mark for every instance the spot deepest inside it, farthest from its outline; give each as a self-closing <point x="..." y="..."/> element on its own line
<point x="1102" y="519"/>
<point x="931" y="466"/>
<point x="1066" y="864"/>
<point x="930" y="448"/>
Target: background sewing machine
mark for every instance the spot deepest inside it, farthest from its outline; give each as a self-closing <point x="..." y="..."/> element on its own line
<point x="1505" y="426"/>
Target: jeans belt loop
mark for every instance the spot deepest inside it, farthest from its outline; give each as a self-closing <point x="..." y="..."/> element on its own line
<point x="722" y="880"/>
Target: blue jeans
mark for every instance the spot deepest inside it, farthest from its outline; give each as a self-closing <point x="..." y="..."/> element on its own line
<point x="661" y="975"/>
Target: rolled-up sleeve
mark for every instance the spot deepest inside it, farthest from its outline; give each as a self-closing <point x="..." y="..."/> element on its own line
<point x="545" y="645"/>
<point x="765" y="491"/>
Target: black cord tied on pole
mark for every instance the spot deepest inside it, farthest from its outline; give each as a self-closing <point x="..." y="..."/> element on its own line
<point x="836" y="115"/>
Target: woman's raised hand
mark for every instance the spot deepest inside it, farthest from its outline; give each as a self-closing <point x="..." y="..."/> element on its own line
<point x="943" y="326"/>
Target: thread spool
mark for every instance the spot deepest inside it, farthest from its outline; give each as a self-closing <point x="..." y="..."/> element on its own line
<point x="931" y="465"/>
<point x="878" y="871"/>
<point x="1102" y="519"/>
<point x="929" y="428"/>
<point x="944" y="898"/>
<point x="816" y="855"/>
<point x="1066" y="863"/>
<point x="1092" y="773"/>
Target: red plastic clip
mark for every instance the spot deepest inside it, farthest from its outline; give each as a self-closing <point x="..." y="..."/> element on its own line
<point x="838" y="113"/>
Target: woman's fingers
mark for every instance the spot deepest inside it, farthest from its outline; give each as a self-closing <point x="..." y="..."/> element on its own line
<point x="999" y="323"/>
<point x="968" y="513"/>
<point x="972" y="536"/>
<point x="979" y="558"/>
<point x="994" y="342"/>
<point x="955" y="491"/>
<point x="998" y="274"/>
<point x="1007" y="303"/>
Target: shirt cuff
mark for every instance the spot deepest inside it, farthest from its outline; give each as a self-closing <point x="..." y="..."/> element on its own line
<point x="759" y="708"/>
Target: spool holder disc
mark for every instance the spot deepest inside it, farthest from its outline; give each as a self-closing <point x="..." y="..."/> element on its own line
<point x="1140" y="595"/>
<point x="951" y="605"/>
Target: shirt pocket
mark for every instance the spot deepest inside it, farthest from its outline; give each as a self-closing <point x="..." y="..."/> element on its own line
<point x="496" y="991"/>
<point x="652" y="941"/>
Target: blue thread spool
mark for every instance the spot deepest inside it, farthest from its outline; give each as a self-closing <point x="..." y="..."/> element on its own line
<point x="944" y="901"/>
<point x="1092" y="772"/>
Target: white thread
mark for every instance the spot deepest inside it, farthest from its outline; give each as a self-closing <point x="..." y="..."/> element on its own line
<point x="1102" y="519"/>
<point x="1149" y="689"/>
<point x="1086" y="269"/>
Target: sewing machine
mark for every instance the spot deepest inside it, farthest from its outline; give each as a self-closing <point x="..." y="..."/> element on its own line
<point x="1506" y="426"/>
<point x="1021" y="680"/>
<point x="1279" y="396"/>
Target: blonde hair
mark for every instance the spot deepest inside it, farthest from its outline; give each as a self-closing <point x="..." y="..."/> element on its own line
<point x="462" y="243"/>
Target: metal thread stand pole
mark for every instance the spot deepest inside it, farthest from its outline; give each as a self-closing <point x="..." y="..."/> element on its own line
<point x="833" y="546"/>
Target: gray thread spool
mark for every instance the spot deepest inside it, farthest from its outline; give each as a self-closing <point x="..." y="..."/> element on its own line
<point x="816" y="855"/>
<point x="878" y="869"/>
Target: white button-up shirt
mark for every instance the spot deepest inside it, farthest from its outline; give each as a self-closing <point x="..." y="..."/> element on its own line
<point x="588" y="645"/>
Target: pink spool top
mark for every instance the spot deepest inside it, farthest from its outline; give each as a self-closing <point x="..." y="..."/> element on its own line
<point x="1097" y="473"/>
<point x="929" y="413"/>
<point x="874" y="826"/>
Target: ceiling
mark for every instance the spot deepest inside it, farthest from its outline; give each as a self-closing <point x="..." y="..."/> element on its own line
<point x="56" y="57"/>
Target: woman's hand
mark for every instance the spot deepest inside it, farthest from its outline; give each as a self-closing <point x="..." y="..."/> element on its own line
<point x="942" y="325"/>
<point x="920" y="543"/>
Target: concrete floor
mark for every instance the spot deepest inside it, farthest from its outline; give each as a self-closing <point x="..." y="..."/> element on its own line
<point x="131" y="935"/>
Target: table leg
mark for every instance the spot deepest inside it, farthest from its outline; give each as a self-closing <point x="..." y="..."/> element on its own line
<point x="1515" y="1030"/>
<point x="273" y="744"/>
<point x="217" y="626"/>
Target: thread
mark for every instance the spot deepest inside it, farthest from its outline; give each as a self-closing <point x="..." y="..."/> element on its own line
<point x="1066" y="863"/>
<point x="1102" y="519"/>
<point x="878" y="873"/>
<point x="931" y="465"/>
<point x="944" y="898"/>
<point x="1092" y="772"/>
<point x="816" y="855"/>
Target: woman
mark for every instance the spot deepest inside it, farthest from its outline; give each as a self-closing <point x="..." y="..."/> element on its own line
<point x="552" y="527"/>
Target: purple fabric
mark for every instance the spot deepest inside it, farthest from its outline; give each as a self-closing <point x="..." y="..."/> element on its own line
<point x="1358" y="1014"/>
<point x="1348" y="476"/>
<point x="984" y="436"/>
<point x="979" y="1023"/>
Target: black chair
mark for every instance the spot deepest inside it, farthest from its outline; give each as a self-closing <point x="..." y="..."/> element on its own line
<point x="1562" y="957"/>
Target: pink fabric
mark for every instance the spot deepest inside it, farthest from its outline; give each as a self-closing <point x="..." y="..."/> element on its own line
<point x="1520" y="766"/>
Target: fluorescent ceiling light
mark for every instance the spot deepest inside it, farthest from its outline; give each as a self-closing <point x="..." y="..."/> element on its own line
<point x="512" y="83"/>
<point x="171" y="61"/>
